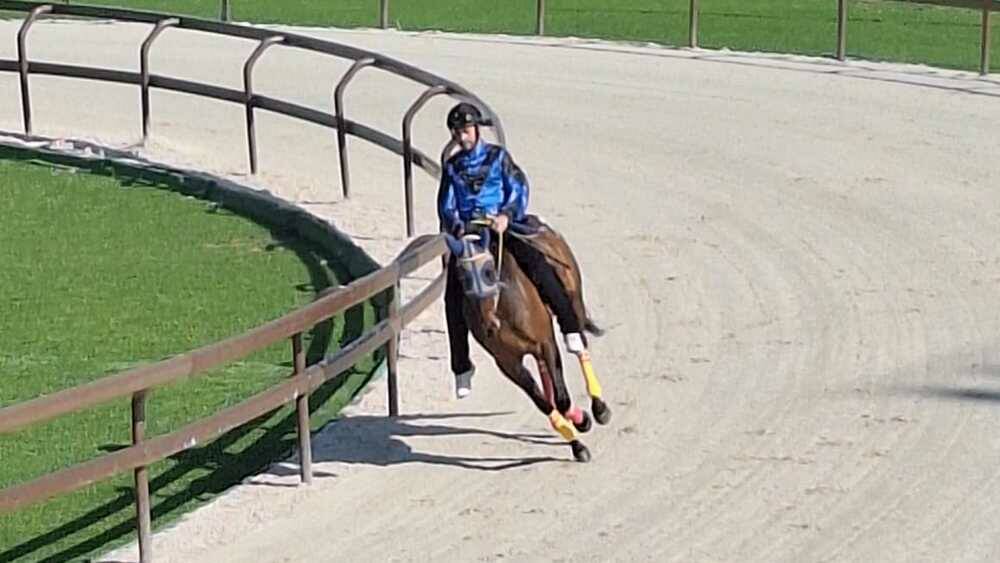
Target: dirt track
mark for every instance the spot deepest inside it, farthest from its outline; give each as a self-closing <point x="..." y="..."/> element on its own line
<point x="797" y="262"/>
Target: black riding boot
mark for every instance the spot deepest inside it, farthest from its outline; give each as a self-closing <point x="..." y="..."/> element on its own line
<point x="458" y="331"/>
<point x="552" y="291"/>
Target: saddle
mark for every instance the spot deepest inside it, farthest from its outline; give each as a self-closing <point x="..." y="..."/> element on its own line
<point x="477" y="266"/>
<point x="540" y="235"/>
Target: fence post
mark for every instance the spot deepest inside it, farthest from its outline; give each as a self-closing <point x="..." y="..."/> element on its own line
<point x="392" y="359"/>
<point x="302" y="406"/>
<point x="693" y="27"/>
<point x="338" y="109"/>
<point x="383" y="14"/>
<point x="984" y="60"/>
<point x="408" y="150"/>
<point x="224" y="13"/>
<point x="22" y="62"/>
<point x="540" y="22"/>
<point x="141" y="474"/>
<point x="841" y="29"/>
<point x="144" y="69"/>
<point x="248" y="95"/>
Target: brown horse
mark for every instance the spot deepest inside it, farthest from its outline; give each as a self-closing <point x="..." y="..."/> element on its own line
<point x="509" y="319"/>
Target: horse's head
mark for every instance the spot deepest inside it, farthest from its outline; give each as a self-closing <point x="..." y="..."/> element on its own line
<point x="476" y="266"/>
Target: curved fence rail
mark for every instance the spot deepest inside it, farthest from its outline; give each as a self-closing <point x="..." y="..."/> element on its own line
<point x="146" y="80"/>
<point x="985" y="7"/>
<point x="694" y="10"/>
<point x="139" y="382"/>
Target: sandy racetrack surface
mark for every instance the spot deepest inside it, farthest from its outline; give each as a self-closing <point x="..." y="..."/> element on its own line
<point x="797" y="263"/>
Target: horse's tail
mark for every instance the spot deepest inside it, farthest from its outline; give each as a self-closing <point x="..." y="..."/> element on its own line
<point x="590" y="326"/>
<point x="580" y="307"/>
<point x="588" y="323"/>
<point x="556" y="250"/>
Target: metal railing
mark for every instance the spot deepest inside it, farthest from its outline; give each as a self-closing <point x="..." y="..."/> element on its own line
<point x="250" y="100"/>
<point x="986" y="6"/>
<point x="140" y="382"/>
<point x="694" y="9"/>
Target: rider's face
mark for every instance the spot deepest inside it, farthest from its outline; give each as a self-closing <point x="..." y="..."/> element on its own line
<point x="466" y="137"/>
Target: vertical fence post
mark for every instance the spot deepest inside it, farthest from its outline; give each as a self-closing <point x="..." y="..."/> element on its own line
<point x="224" y="13"/>
<point x="408" y="150"/>
<point x="302" y="406"/>
<point x="338" y="110"/>
<point x="383" y="14"/>
<point x="540" y="21"/>
<point x="841" y="29"/>
<point x="984" y="57"/>
<point x="22" y="62"/>
<point x="693" y="24"/>
<point x="248" y="95"/>
<point x="144" y="69"/>
<point x="497" y="128"/>
<point x="392" y="349"/>
<point x="141" y="474"/>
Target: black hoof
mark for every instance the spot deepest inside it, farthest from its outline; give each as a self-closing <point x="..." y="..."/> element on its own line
<point x="585" y="424"/>
<point x="580" y="452"/>
<point x="602" y="412"/>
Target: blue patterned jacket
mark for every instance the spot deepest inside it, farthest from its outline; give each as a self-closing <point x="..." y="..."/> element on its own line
<point x="479" y="182"/>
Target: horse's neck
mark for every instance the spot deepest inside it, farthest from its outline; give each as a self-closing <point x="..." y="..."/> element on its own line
<point x="516" y="284"/>
<point x="509" y="267"/>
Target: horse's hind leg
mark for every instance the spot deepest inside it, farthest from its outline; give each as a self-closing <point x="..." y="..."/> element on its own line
<point x="511" y="366"/>
<point x="572" y="279"/>
<point x="601" y="410"/>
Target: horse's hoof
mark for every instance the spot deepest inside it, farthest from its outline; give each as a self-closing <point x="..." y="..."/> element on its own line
<point x="580" y="452"/>
<point x="585" y="423"/>
<point x="602" y="412"/>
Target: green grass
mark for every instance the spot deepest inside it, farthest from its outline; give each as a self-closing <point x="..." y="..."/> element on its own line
<point x="103" y="273"/>
<point x="877" y="29"/>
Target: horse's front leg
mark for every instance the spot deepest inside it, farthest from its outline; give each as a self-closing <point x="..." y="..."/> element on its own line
<point x="551" y="372"/>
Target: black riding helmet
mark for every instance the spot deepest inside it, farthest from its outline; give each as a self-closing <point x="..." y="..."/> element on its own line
<point x="464" y="114"/>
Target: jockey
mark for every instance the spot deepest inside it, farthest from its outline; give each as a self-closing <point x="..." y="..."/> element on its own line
<point x="482" y="180"/>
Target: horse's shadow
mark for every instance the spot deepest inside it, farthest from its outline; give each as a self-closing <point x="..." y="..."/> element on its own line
<point x="382" y="441"/>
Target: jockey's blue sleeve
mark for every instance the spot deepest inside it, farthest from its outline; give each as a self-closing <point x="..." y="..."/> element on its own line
<point x="515" y="186"/>
<point x="447" y="204"/>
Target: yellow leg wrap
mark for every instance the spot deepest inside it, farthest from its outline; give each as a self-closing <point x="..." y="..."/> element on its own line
<point x="562" y="426"/>
<point x="593" y="386"/>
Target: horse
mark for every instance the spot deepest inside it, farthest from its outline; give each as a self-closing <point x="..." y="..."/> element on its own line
<point x="508" y="318"/>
